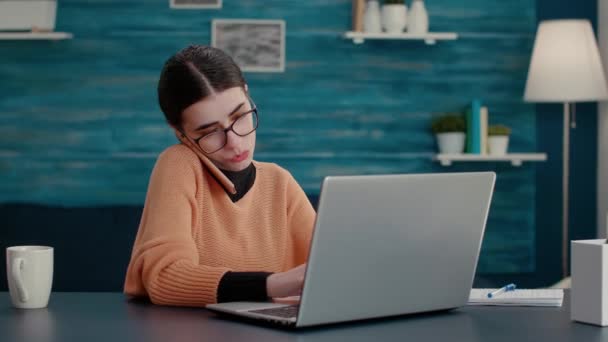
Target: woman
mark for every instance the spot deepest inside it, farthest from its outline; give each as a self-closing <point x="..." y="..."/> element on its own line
<point x="217" y="226"/>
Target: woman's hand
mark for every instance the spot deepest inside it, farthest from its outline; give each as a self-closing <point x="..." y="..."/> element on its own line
<point x="286" y="284"/>
<point x="287" y="300"/>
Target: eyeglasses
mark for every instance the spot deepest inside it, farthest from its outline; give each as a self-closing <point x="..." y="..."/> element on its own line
<point x="244" y="125"/>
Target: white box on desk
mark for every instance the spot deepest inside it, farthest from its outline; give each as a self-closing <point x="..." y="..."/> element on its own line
<point x="589" y="294"/>
<point x="27" y="15"/>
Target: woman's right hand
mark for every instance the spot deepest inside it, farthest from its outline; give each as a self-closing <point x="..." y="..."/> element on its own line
<point x="286" y="284"/>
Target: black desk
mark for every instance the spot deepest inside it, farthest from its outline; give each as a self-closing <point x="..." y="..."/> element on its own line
<point x="109" y="317"/>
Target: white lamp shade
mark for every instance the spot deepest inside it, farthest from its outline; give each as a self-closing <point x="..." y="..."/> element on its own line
<point x="566" y="64"/>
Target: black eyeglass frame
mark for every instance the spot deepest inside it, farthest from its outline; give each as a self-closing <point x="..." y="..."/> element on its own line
<point x="253" y="110"/>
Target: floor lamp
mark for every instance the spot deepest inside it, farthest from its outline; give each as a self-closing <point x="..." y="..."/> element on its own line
<point x="565" y="68"/>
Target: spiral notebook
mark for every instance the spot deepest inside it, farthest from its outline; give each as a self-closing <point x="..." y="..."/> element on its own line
<point x="523" y="297"/>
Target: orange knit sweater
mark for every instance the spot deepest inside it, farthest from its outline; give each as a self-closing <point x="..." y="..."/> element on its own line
<point x="191" y="233"/>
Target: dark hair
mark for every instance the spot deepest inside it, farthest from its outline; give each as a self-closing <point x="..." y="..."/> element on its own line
<point x="191" y="75"/>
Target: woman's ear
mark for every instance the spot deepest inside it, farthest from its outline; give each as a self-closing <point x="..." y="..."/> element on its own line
<point x="178" y="132"/>
<point x="181" y="136"/>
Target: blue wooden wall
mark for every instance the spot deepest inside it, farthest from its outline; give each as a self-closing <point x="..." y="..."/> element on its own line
<point x="80" y="125"/>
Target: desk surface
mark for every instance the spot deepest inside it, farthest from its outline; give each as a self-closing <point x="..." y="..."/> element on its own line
<point x="110" y="317"/>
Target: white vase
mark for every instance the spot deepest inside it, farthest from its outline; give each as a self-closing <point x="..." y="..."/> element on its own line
<point x="451" y="143"/>
<point x="19" y="15"/>
<point x="498" y="144"/>
<point x="418" y="18"/>
<point x="371" y="17"/>
<point x="394" y="18"/>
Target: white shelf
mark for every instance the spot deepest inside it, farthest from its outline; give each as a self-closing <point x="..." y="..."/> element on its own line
<point x="429" y="38"/>
<point x="516" y="159"/>
<point x="35" y="35"/>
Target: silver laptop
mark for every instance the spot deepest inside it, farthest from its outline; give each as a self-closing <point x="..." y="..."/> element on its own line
<point x="386" y="245"/>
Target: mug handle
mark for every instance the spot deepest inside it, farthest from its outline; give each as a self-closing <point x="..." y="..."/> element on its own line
<point x="18" y="263"/>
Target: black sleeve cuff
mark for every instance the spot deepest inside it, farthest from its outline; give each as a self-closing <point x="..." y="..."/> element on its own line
<point x="242" y="286"/>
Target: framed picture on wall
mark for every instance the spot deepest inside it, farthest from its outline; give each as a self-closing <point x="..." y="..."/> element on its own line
<point x="195" y="4"/>
<point x="255" y="45"/>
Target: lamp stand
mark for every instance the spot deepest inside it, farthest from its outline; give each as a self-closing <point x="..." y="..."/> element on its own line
<point x="565" y="189"/>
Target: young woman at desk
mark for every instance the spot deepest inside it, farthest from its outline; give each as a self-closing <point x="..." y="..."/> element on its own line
<point x="217" y="226"/>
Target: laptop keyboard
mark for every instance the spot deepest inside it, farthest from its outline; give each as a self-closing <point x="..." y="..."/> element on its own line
<point x="290" y="311"/>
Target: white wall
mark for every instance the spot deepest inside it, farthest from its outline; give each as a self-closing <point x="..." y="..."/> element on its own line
<point x="602" y="126"/>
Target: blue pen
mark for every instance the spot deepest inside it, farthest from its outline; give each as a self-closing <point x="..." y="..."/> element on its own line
<point x="505" y="288"/>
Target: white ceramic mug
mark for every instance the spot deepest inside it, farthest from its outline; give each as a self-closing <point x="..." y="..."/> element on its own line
<point x="29" y="270"/>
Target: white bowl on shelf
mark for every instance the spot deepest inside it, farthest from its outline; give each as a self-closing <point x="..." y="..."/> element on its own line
<point x="498" y="145"/>
<point x="394" y="18"/>
<point x="451" y="142"/>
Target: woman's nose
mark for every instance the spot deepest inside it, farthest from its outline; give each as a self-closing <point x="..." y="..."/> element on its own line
<point x="232" y="139"/>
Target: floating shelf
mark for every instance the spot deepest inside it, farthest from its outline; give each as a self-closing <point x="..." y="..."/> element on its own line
<point x="516" y="159"/>
<point x="429" y="38"/>
<point x="35" y="35"/>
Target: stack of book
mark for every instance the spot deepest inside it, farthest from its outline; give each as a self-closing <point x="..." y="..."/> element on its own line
<point x="476" y="117"/>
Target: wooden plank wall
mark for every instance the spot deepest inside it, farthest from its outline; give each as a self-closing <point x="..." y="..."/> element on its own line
<point x="80" y="126"/>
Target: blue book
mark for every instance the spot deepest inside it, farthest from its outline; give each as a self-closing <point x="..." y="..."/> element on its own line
<point x="474" y="128"/>
<point x="468" y="116"/>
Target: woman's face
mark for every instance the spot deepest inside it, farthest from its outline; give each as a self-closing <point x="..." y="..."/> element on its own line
<point x="211" y="116"/>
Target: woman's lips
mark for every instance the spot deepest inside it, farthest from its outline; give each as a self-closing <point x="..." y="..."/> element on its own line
<point x="240" y="157"/>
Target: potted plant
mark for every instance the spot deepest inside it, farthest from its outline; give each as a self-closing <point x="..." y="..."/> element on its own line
<point x="450" y="131"/>
<point x="394" y="16"/>
<point x="498" y="139"/>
